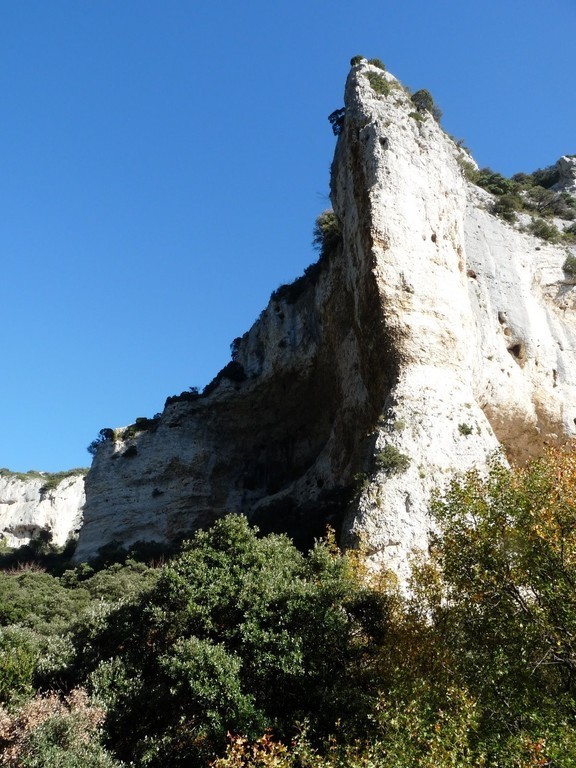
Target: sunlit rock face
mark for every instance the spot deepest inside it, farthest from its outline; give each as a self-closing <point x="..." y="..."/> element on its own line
<point x="567" y="171"/>
<point x="31" y="508"/>
<point x="433" y="334"/>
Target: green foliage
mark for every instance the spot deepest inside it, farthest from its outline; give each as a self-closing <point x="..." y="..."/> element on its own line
<point x="327" y="238"/>
<point x="500" y="592"/>
<point x="468" y="169"/>
<point x="18" y="657"/>
<point x="53" y="479"/>
<point x="377" y="63"/>
<point x="39" y="610"/>
<point x="307" y="659"/>
<point x="569" y="265"/>
<point x="104" y="435"/>
<point x="465" y="429"/>
<point x="544" y="230"/>
<point x="525" y="192"/>
<point x="424" y="102"/>
<point x="327" y="233"/>
<point x="494" y="182"/>
<point x="379" y="84"/>
<point x="392" y="460"/>
<point x="232" y="622"/>
<point x="506" y="206"/>
<point x="356" y="60"/>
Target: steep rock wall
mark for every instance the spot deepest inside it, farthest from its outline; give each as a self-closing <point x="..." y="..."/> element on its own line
<point x="435" y="331"/>
<point x="30" y="508"/>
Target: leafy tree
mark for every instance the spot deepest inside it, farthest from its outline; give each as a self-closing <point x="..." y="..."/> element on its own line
<point x="240" y="634"/>
<point x="500" y="592"/>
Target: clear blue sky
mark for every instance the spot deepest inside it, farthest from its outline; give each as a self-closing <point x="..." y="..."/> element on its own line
<point x="162" y="163"/>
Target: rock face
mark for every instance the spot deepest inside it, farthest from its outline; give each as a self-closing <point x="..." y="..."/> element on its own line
<point x="432" y="334"/>
<point x="34" y="505"/>
<point x="567" y="170"/>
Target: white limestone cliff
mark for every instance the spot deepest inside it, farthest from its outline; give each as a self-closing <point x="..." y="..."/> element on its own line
<point x="432" y="335"/>
<point x="32" y="507"/>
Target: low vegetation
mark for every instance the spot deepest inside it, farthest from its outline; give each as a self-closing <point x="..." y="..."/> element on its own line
<point x="528" y="193"/>
<point x="242" y="651"/>
<point x="327" y="239"/>
<point x="392" y="460"/>
<point x="378" y="83"/>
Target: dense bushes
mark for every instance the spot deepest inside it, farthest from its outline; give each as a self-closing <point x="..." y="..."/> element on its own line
<point x="240" y="634"/>
<point x="305" y="660"/>
<point x="529" y="193"/>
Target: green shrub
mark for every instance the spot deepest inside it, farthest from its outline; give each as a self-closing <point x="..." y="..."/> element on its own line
<point x="104" y="435"/>
<point x="356" y="60"/>
<point x="417" y="116"/>
<point x="327" y="233"/>
<point x="506" y="206"/>
<point x="240" y="634"/>
<point x="424" y="102"/>
<point x="469" y="170"/>
<point x="465" y="429"/>
<point x="377" y="63"/>
<point x="494" y="182"/>
<point x="569" y="265"/>
<point x="379" y="84"/>
<point x="392" y="460"/>
<point x="544" y="230"/>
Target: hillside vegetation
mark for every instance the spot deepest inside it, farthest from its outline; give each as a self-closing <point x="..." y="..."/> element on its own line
<point x="242" y="651"/>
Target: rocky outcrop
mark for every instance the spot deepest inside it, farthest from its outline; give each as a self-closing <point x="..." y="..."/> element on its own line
<point x="432" y="334"/>
<point x="40" y="506"/>
<point x="567" y="172"/>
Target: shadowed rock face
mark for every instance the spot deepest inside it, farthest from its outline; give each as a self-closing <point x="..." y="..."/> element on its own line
<point x="434" y="331"/>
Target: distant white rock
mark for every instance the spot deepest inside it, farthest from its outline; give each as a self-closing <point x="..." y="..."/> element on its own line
<point x="29" y="510"/>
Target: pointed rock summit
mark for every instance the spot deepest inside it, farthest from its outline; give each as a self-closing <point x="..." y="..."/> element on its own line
<point x="429" y="334"/>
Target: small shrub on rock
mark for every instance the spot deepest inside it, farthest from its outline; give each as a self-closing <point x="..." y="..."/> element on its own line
<point x="392" y="460"/>
<point x="379" y="84"/>
<point x="327" y="234"/>
<point x="544" y="230"/>
<point x="506" y="206"/>
<point x="377" y="63"/>
<point x="356" y="60"/>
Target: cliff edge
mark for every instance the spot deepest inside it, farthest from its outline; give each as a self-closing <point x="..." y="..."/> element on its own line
<point x="430" y="333"/>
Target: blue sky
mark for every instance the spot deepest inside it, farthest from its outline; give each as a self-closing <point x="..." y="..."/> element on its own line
<point x="162" y="163"/>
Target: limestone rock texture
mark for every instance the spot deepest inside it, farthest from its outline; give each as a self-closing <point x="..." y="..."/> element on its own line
<point x="434" y="334"/>
<point x="31" y="508"/>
